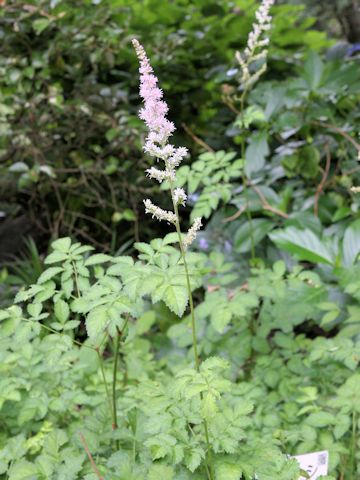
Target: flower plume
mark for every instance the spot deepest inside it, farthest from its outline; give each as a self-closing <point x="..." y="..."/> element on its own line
<point x="256" y="48"/>
<point x="191" y="234"/>
<point x="157" y="144"/>
<point x="154" y="113"/>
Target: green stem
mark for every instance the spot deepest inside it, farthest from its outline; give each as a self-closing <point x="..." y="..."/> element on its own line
<point x="76" y="278"/>
<point x="101" y="363"/>
<point x="115" y="424"/>
<point x="353" y="446"/>
<point x="115" y="370"/>
<point x="208" y="466"/>
<point x="244" y="178"/>
<point x="52" y="330"/>
<point x="191" y="302"/>
<point x="117" y="348"/>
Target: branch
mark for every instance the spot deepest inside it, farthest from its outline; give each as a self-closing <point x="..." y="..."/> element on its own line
<point x="230" y="105"/>
<point x="266" y="205"/>
<point x="197" y="139"/>
<point x="235" y="216"/>
<point x="340" y="132"/>
<point x="93" y="464"/>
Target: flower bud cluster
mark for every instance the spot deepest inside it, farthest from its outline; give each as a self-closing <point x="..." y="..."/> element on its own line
<point x="160" y="129"/>
<point x="256" y="48"/>
<point x="180" y="196"/>
<point x="159" y="213"/>
<point x="192" y="232"/>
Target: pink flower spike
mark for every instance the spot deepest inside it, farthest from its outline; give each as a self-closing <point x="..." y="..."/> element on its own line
<point x="154" y="111"/>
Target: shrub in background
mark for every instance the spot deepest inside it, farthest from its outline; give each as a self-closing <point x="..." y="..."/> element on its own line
<point x="69" y="138"/>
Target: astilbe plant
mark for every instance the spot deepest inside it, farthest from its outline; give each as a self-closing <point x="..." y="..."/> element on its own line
<point x="157" y="145"/>
<point x="255" y="51"/>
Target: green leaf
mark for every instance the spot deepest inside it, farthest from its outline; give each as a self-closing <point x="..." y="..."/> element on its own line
<point x="256" y="152"/>
<point x="97" y="259"/>
<point x="96" y="322"/>
<point x="214" y="363"/>
<point x="227" y="471"/>
<point x="144" y="248"/>
<point x="162" y="472"/>
<point x="62" y="311"/>
<point x="23" y="470"/>
<point x="62" y="244"/>
<point x="145" y="322"/>
<point x="193" y="460"/>
<point x="304" y="244"/>
<point x="313" y="70"/>
<point x="208" y="406"/>
<point x="220" y="318"/>
<point x="34" y="309"/>
<point x="329" y="318"/>
<point x="320" y="419"/>
<point x="252" y="114"/>
<point x="71" y="324"/>
<point x="309" y="161"/>
<point x="48" y="274"/>
<point x="55" y="257"/>
<point x="41" y="24"/>
<point x="351" y="244"/>
<point x="4" y="314"/>
<point x="176" y="298"/>
<point x="48" y="290"/>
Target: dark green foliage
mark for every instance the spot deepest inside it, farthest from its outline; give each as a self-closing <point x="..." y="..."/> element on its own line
<point x="70" y="155"/>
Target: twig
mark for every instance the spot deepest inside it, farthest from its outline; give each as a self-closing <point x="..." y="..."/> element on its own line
<point x="104" y="247"/>
<point x="88" y="453"/>
<point x="91" y="219"/>
<point x="60" y="217"/>
<point x="321" y="185"/>
<point x="230" y="105"/>
<point x="235" y="216"/>
<point x="266" y="205"/>
<point x="339" y="131"/>
<point x="352" y="171"/>
<point x="52" y="330"/>
<point x="197" y="139"/>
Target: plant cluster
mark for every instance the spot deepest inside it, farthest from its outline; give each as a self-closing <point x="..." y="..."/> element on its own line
<point x="90" y="364"/>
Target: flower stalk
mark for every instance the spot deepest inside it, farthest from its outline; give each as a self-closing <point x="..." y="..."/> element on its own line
<point x="157" y="145"/>
<point x="256" y="48"/>
<point x="255" y="51"/>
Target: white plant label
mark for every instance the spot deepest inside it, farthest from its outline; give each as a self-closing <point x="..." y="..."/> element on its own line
<point x="314" y="464"/>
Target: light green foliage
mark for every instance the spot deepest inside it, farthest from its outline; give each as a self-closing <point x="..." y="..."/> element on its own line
<point x="212" y="173"/>
<point x="72" y="63"/>
<point x="267" y="388"/>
